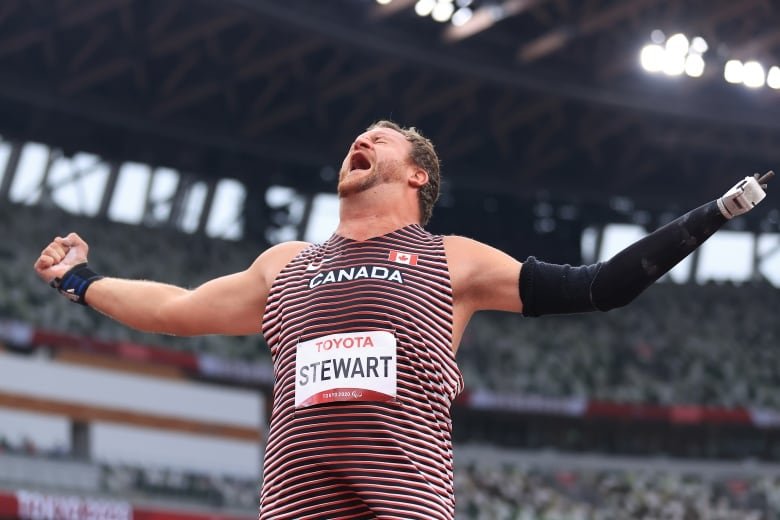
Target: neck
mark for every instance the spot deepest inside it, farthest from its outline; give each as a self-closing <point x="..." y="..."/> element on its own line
<point x="366" y="215"/>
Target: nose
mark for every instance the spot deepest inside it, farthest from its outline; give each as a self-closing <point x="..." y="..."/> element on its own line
<point x="362" y="143"/>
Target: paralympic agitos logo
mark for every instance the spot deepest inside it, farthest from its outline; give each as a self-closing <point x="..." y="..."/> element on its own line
<point x="375" y="272"/>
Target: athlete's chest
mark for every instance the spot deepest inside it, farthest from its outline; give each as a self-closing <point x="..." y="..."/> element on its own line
<point x="388" y="283"/>
<point x="375" y="266"/>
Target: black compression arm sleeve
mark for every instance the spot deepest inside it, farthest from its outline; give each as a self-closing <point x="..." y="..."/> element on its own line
<point x="558" y="289"/>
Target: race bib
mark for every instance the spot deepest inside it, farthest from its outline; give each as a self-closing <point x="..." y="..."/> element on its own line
<point x="355" y="366"/>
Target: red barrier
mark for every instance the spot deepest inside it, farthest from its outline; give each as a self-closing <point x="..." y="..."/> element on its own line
<point x="122" y="350"/>
<point x="678" y="414"/>
<point x="156" y="514"/>
<point x="9" y="508"/>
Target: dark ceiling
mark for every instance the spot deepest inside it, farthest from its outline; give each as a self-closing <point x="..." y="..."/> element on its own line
<point x="548" y="102"/>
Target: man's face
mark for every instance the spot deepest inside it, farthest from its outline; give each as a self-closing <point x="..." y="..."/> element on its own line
<point x="377" y="156"/>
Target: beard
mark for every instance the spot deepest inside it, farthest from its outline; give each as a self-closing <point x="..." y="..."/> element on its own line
<point x="384" y="172"/>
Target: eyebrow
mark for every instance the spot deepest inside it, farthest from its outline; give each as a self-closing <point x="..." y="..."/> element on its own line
<point x="381" y="133"/>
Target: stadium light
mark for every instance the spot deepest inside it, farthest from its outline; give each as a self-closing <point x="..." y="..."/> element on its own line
<point x="456" y="11"/>
<point x="461" y="16"/>
<point x="674" y="55"/>
<point x="652" y="58"/>
<point x="674" y="64"/>
<point x="732" y="72"/>
<point x="754" y="75"/>
<point x="424" y="7"/>
<point x="694" y="65"/>
<point x="773" y="77"/>
<point x="443" y="11"/>
<point x="677" y="45"/>
<point x="699" y="45"/>
<point x="678" y="54"/>
<point x="383" y="2"/>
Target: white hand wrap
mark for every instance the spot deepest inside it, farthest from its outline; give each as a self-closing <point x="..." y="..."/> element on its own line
<point x="741" y="198"/>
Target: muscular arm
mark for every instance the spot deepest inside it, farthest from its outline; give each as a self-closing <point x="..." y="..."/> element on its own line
<point x="231" y="305"/>
<point x="483" y="278"/>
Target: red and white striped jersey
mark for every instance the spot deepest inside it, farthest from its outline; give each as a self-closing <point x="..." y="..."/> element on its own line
<point x="361" y="459"/>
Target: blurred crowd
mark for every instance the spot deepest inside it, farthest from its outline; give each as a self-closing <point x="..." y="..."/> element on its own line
<point x="710" y="345"/>
<point x="515" y="492"/>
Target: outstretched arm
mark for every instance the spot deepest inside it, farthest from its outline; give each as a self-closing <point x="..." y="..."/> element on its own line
<point x="231" y="304"/>
<point x="486" y="279"/>
<point x="556" y="289"/>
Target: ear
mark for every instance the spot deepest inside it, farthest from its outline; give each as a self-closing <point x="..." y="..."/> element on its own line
<point x="419" y="178"/>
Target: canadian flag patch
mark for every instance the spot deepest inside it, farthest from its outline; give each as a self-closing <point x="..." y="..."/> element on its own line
<point x="403" y="258"/>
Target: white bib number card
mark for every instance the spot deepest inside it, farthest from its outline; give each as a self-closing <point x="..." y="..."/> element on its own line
<point x="355" y="366"/>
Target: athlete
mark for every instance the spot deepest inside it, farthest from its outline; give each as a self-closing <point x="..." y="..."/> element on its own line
<point x="363" y="329"/>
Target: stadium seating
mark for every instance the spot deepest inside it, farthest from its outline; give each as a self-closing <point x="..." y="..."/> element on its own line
<point x="514" y="492"/>
<point x="708" y="345"/>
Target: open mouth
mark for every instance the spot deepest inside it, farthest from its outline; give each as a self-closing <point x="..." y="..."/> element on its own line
<point x="359" y="161"/>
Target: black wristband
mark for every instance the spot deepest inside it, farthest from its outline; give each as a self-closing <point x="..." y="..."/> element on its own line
<point x="75" y="282"/>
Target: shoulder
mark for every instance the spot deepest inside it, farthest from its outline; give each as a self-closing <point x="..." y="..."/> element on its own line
<point x="464" y="248"/>
<point x="286" y="250"/>
<point x="482" y="276"/>
<point x="458" y="243"/>
<point x="472" y="254"/>
<point x="272" y="260"/>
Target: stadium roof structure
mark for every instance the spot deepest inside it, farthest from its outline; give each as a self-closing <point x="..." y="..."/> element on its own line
<point x="545" y="97"/>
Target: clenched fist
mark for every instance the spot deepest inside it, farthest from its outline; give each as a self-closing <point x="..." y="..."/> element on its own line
<point x="60" y="256"/>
